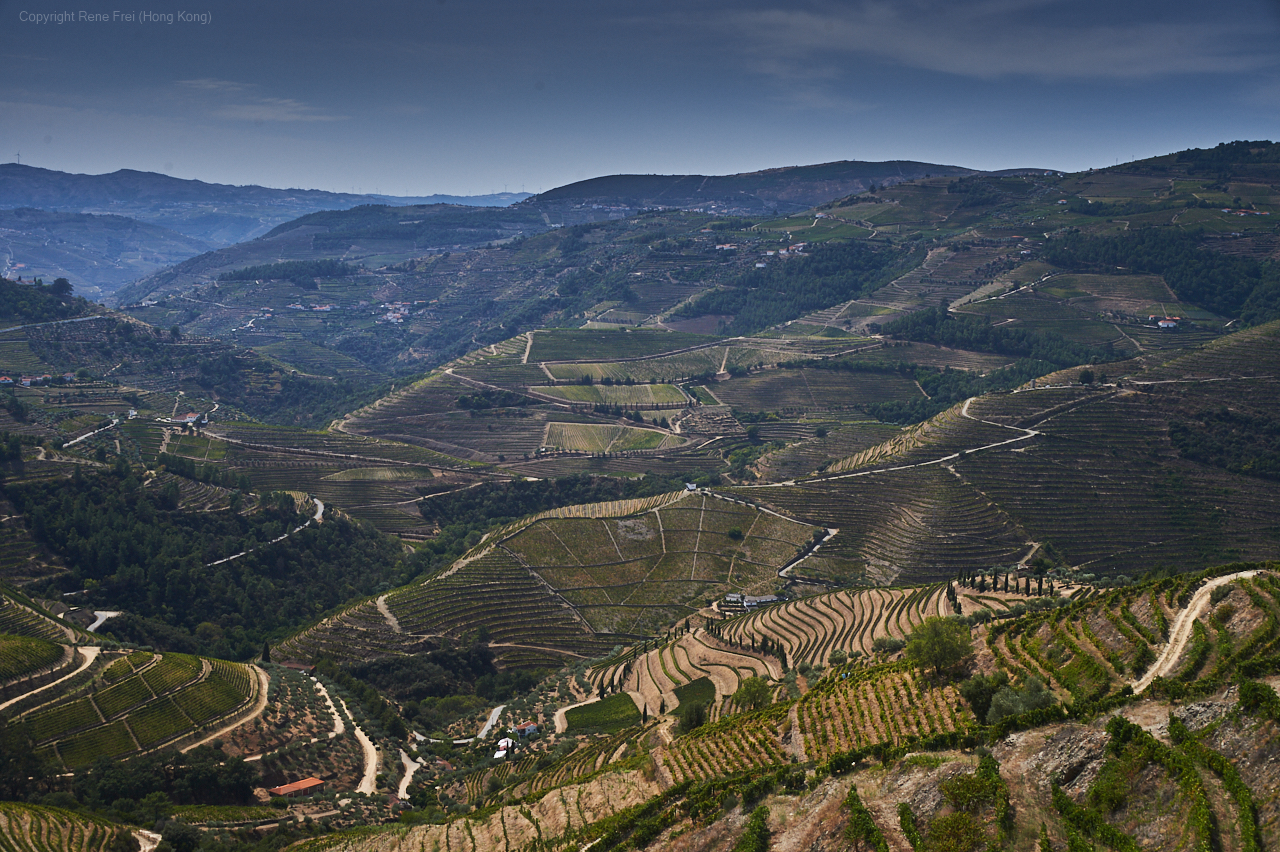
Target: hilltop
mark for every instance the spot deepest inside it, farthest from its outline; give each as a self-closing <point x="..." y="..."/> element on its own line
<point x="785" y="190"/>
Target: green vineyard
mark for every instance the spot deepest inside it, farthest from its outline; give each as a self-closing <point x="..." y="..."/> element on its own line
<point x="141" y="702"/>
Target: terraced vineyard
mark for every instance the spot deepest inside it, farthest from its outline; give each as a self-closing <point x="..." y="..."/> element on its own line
<point x="528" y="625"/>
<point x="35" y="828"/>
<point x="139" y="703"/>
<point x="635" y="575"/>
<point x="20" y="656"/>
<point x="596" y="438"/>
<point x="1094" y="647"/>
<point x="1089" y="470"/>
<point x="21" y="618"/>
<point x="722" y="748"/>
<point x="813" y="390"/>
<point x="630" y="567"/>
<point x="863" y="707"/>
<point x="644" y="396"/>
<point x="811" y="628"/>
<point x="655" y="674"/>
<point x="919" y="524"/>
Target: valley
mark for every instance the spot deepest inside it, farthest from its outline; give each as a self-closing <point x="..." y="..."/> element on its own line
<point x="939" y="514"/>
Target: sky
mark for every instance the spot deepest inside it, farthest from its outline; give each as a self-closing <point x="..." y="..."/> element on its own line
<point x="467" y="98"/>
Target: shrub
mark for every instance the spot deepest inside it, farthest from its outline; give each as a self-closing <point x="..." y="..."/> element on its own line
<point x="862" y="832"/>
<point x="955" y="832"/>
<point x="1009" y="701"/>
<point x="756" y="836"/>
<point x="888" y="644"/>
<point x="980" y="689"/>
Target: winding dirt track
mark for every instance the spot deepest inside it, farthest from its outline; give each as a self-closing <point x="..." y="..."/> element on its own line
<point x="90" y="654"/>
<point x="261" y="704"/>
<point x="1180" y="632"/>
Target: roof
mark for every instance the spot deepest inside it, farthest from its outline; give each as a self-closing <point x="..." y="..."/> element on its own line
<point x="296" y="786"/>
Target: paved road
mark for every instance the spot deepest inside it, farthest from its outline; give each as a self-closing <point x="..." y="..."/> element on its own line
<point x="100" y="618"/>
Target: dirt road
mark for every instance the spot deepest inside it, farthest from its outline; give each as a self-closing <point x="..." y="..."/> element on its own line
<point x="1180" y="631"/>
<point x="90" y="654"/>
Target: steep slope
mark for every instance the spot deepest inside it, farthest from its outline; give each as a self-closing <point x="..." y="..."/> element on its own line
<point x="1168" y="466"/>
<point x="98" y="254"/>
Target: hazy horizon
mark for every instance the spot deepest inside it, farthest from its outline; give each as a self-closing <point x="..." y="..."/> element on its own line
<point x="400" y="98"/>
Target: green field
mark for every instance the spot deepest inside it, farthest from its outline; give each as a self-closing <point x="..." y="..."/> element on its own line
<point x="584" y="345"/>
<point x="595" y="438"/>
<point x="605" y="716"/>
<point x="624" y="395"/>
<point x="699" y="691"/>
<point x="20" y="655"/>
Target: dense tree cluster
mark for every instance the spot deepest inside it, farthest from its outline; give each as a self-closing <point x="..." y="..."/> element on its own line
<point x="1234" y="440"/>
<point x="1227" y="154"/>
<point x="118" y="540"/>
<point x="40" y="303"/>
<point x="436" y="687"/>
<point x="1228" y="285"/>
<point x="791" y="287"/>
<point x="301" y="273"/>
<point x="976" y="334"/>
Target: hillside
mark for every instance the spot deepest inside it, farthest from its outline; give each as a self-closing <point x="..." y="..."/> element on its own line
<point x="216" y="213"/>
<point x="787" y="189"/>
<point x="1125" y="476"/>
<point x="887" y="755"/>
<point x="98" y="253"/>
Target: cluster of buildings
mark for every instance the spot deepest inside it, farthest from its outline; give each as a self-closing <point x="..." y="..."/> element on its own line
<point x="735" y="602"/>
<point x="506" y="744"/>
<point x="34" y="381"/>
<point x="397" y="312"/>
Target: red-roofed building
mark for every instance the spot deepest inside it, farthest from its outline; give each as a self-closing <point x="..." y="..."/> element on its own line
<point x="305" y="787"/>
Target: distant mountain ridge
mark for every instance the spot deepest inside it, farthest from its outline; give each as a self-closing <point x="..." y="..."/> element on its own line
<point x="98" y="253"/>
<point x="219" y="214"/>
<point x="788" y="189"/>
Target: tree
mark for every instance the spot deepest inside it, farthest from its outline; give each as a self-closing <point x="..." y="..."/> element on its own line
<point x="753" y="693"/>
<point x="61" y="288"/>
<point x="938" y="643"/>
